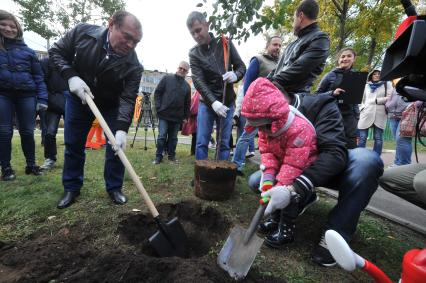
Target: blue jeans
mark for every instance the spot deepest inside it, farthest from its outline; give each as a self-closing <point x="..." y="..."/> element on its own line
<point x="356" y="185"/>
<point x="404" y="146"/>
<point x="52" y="123"/>
<point x="240" y="131"/>
<point x="245" y="141"/>
<point x="78" y="121"/>
<point x="378" y="139"/>
<point x="205" y="120"/>
<point x="25" y="109"/>
<point x="167" y="130"/>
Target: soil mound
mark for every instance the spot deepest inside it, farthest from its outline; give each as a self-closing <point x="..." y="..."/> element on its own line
<point x="73" y="254"/>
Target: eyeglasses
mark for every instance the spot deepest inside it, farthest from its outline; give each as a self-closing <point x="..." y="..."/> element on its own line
<point x="183" y="69"/>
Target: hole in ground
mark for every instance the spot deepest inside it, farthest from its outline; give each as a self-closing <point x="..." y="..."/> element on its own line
<point x="204" y="227"/>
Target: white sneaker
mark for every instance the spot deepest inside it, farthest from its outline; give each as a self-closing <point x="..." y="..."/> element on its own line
<point x="250" y="154"/>
<point x="48" y="164"/>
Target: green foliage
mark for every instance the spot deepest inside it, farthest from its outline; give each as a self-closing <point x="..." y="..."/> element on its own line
<point x="51" y="19"/>
<point x="236" y="18"/>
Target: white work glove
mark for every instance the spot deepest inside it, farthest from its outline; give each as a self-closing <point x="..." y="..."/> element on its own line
<point x="120" y="139"/>
<point x="220" y="109"/>
<point x="79" y="88"/>
<point x="279" y="198"/>
<point x="41" y="107"/>
<point x="230" y="77"/>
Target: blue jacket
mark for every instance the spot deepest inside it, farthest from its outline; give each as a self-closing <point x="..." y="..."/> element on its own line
<point x="20" y="72"/>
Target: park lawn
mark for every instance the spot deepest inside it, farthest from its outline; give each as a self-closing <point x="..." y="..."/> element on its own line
<point x="28" y="206"/>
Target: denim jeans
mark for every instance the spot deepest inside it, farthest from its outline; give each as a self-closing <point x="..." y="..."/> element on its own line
<point x="43" y="125"/>
<point x="167" y="130"/>
<point x="404" y="146"/>
<point x="240" y="131"/>
<point x="378" y="139"/>
<point x="52" y="123"/>
<point x="356" y="185"/>
<point x="25" y="109"/>
<point x="78" y="121"/>
<point x="245" y="141"/>
<point x="205" y="120"/>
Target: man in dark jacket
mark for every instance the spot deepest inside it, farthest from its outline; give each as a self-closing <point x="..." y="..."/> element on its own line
<point x="57" y="89"/>
<point x="304" y="59"/>
<point x="354" y="174"/>
<point x="100" y="62"/>
<point x="172" y="101"/>
<point x="209" y="76"/>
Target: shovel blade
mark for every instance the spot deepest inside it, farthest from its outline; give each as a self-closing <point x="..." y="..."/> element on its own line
<point x="236" y="257"/>
<point x="170" y="240"/>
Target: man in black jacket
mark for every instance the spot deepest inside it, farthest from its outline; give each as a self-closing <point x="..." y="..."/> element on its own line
<point x="100" y="62"/>
<point x="209" y="76"/>
<point x="172" y="102"/>
<point x="354" y="174"/>
<point x="57" y="89"/>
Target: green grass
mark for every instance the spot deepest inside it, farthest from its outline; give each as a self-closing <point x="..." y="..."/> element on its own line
<point x="28" y="205"/>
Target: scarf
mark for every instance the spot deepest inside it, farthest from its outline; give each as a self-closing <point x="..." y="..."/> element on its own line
<point x="374" y="86"/>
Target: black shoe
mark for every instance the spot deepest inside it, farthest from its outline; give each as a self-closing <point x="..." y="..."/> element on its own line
<point x="156" y="161"/>
<point x="67" y="199"/>
<point x="284" y="235"/>
<point x="117" y="197"/>
<point x="34" y="170"/>
<point x="322" y="256"/>
<point x="173" y="159"/>
<point x="7" y="174"/>
<point x="270" y="224"/>
<point x="312" y="200"/>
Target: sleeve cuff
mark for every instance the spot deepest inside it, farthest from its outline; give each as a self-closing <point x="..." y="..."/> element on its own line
<point x="303" y="183"/>
<point x="69" y="73"/>
<point x="122" y="126"/>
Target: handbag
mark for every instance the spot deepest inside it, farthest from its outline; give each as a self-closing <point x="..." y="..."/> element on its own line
<point x="408" y="126"/>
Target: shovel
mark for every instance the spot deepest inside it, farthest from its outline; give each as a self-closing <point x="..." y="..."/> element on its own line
<point x="241" y="248"/>
<point x="170" y="239"/>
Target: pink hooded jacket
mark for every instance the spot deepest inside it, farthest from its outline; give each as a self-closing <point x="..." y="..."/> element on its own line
<point x="290" y="144"/>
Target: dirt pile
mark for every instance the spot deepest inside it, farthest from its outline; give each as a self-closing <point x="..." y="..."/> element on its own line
<point x="73" y="255"/>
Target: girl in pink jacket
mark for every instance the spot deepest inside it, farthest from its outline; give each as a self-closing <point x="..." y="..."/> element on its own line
<point x="287" y="140"/>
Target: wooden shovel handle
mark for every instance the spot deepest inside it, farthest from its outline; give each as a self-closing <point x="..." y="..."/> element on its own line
<point x="122" y="156"/>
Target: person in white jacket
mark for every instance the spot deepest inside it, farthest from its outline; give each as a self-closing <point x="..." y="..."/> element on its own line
<point x="372" y="110"/>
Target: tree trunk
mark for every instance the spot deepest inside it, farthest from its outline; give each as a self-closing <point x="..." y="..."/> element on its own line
<point x="342" y="27"/>
<point x="371" y="51"/>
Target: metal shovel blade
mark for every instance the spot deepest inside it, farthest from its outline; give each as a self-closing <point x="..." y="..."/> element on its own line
<point x="170" y="240"/>
<point x="236" y="257"/>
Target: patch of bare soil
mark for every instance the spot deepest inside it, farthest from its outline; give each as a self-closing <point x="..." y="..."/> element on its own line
<point x="71" y="255"/>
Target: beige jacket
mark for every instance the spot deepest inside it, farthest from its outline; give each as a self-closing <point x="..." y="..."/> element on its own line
<point x="372" y="109"/>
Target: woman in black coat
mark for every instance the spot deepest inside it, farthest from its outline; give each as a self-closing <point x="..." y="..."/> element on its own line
<point x="328" y="86"/>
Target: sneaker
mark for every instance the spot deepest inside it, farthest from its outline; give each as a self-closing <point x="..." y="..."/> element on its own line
<point x="7" y="174"/>
<point x="48" y="164"/>
<point x="240" y="173"/>
<point x="392" y="166"/>
<point x="34" y="170"/>
<point x="250" y="154"/>
<point x="312" y="200"/>
<point x="321" y="255"/>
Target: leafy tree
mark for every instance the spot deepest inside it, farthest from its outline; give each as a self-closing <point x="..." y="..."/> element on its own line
<point x="52" y="18"/>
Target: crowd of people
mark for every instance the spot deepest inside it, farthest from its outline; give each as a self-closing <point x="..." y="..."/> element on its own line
<point x="305" y="140"/>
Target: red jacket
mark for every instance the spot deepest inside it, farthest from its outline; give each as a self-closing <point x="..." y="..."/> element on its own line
<point x="290" y="145"/>
<point x="190" y="126"/>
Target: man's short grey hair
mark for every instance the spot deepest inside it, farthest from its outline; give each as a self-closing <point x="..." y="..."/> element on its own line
<point x="184" y="63"/>
<point x="195" y="16"/>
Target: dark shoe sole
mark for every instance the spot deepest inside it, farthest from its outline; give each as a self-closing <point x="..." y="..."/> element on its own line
<point x="324" y="264"/>
<point x="278" y="246"/>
